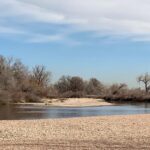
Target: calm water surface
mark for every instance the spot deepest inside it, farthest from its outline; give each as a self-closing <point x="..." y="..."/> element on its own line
<point x="21" y="112"/>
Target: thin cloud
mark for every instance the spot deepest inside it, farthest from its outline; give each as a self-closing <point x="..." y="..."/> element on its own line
<point x="9" y="30"/>
<point x="14" y="8"/>
<point x="44" y="38"/>
<point x="34" y="13"/>
<point x="113" y="17"/>
<point x="130" y="18"/>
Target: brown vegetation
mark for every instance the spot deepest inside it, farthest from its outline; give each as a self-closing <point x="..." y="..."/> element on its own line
<point x="125" y="95"/>
<point x="146" y="80"/>
<point x="76" y="87"/>
<point x="19" y="84"/>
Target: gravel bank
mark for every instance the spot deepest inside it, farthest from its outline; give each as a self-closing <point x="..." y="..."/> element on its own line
<point x="91" y="133"/>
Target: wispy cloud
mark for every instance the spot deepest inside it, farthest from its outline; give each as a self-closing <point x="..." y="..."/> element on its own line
<point x="34" y="13"/>
<point x="30" y="12"/>
<point x="39" y="38"/>
<point x="9" y="30"/>
<point x="130" y="18"/>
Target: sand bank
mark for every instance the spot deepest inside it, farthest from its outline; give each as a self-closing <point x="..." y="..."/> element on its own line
<point x="76" y="102"/>
<point x="91" y="133"/>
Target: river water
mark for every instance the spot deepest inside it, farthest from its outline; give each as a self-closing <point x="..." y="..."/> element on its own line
<point x="23" y="112"/>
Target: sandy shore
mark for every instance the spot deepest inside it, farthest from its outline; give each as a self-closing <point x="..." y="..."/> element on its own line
<point x="76" y="102"/>
<point x="91" y="133"/>
<point x="70" y="102"/>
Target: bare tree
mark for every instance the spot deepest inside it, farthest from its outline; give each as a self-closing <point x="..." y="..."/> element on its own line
<point x="40" y="76"/>
<point x="6" y="76"/>
<point x="117" y="88"/>
<point x="145" y="79"/>
<point x="94" y="87"/>
<point x="2" y="64"/>
<point x="19" y="84"/>
<point x="20" y="71"/>
<point x="76" y="84"/>
<point x="63" y="85"/>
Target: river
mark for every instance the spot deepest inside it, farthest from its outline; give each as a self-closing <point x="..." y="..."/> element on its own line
<point x="24" y="112"/>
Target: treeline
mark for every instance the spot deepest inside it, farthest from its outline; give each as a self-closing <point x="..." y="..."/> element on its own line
<point x="121" y="93"/>
<point x="19" y="84"/>
<point x="76" y="87"/>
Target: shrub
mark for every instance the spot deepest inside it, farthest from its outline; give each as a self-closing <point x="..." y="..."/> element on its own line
<point x="18" y="97"/>
<point x="71" y="94"/>
<point x="29" y="97"/>
<point x="5" y="97"/>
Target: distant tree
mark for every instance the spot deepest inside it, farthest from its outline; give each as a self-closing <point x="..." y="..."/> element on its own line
<point x="63" y="84"/>
<point x="94" y="87"/>
<point x="6" y="76"/>
<point x="20" y="73"/>
<point x="40" y="76"/>
<point x="2" y="64"/>
<point x="145" y="79"/>
<point x="17" y="83"/>
<point x="117" y="88"/>
<point x="70" y="86"/>
<point x="76" y="84"/>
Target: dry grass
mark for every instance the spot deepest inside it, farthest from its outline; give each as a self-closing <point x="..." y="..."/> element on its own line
<point x="91" y="133"/>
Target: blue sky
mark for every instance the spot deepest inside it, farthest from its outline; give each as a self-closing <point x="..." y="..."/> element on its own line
<point x="109" y="39"/>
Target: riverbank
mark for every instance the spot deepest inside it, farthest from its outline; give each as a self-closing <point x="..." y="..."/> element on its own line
<point x="76" y="102"/>
<point x="128" y="99"/>
<point x="92" y="133"/>
<point x="70" y="102"/>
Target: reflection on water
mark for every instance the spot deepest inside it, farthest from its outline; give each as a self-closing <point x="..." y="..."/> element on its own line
<point x="18" y="112"/>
